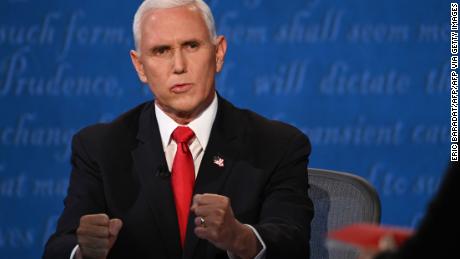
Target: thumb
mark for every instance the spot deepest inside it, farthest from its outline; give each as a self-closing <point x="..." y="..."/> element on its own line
<point x="114" y="227"/>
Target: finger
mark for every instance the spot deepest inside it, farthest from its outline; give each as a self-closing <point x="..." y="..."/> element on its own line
<point x="214" y="223"/>
<point x="95" y="219"/>
<point x="200" y="232"/>
<point x="196" y="200"/>
<point x="115" y="226"/>
<point x="210" y="211"/>
<point x="198" y="222"/>
<point x="209" y="198"/>
<point x="205" y="211"/>
<point x="208" y="222"/>
<point x="205" y="233"/>
<point x="93" y="231"/>
<point x="213" y="196"/>
<point x="195" y="203"/>
<point x="93" y="242"/>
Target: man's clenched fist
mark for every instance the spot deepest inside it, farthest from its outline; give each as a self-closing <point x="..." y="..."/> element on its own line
<point x="96" y="235"/>
<point x="216" y="223"/>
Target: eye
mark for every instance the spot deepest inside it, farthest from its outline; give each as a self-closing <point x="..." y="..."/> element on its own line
<point x="161" y="51"/>
<point x="192" y="45"/>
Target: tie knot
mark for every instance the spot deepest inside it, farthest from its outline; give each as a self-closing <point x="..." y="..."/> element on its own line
<point x="182" y="134"/>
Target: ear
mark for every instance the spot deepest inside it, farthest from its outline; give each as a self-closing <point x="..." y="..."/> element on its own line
<point x="135" y="58"/>
<point x="221" y="49"/>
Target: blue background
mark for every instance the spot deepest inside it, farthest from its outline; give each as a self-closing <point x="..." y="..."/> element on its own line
<point x="368" y="81"/>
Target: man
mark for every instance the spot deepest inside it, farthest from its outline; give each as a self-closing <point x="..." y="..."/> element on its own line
<point x="237" y="186"/>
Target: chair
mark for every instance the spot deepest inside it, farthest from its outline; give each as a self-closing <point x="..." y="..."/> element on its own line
<point x="339" y="199"/>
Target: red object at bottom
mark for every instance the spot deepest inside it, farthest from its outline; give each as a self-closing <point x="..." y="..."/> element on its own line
<point x="368" y="236"/>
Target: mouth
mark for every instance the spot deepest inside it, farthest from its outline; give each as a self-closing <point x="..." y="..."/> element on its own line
<point x="181" y="88"/>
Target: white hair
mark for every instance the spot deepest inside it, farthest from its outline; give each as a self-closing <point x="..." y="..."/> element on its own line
<point x="148" y="5"/>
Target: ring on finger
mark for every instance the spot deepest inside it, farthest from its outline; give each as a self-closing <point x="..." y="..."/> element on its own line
<point x="202" y="222"/>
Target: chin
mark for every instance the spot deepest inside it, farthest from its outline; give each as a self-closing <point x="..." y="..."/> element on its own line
<point x="183" y="109"/>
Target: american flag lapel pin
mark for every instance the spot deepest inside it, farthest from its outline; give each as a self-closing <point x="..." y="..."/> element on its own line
<point x="219" y="161"/>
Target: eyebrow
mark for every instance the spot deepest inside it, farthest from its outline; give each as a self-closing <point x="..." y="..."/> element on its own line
<point x="157" y="47"/>
<point x="191" y="41"/>
<point x="182" y="43"/>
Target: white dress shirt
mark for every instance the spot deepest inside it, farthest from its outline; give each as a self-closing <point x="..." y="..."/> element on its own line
<point x="201" y="126"/>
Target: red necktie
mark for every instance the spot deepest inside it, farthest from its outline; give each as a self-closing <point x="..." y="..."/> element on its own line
<point x="182" y="177"/>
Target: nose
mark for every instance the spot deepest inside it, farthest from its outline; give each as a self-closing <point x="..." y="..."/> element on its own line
<point x="179" y="62"/>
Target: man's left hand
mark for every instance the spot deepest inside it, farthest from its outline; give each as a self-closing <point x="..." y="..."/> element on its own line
<point x="216" y="223"/>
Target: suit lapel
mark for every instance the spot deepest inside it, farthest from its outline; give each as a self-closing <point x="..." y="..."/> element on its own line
<point x="148" y="158"/>
<point x="223" y="144"/>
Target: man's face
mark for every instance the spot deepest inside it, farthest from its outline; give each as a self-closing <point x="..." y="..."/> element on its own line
<point x="178" y="60"/>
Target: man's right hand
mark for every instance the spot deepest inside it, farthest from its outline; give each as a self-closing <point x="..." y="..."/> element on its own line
<point x="96" y="235"/>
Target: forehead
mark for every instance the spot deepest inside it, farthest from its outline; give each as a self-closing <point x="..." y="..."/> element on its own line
<point x="173" y="24"/>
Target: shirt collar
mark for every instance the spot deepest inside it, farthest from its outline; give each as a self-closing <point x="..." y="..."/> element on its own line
<point x="201" y="126"/>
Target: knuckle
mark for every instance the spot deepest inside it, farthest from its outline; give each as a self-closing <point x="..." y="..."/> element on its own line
<point x="218" y="222"/>
<point x="220" y="213"/>
<point x="105" y="232"/>
<point x="83" y="219"/>
<point x="103" y="218"/>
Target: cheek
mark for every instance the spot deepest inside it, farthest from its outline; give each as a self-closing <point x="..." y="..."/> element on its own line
<point x="156" y="74"/>
<point x="152" y="69"/>
<point x="207" y="71"/>
<point x="204" y="61"/>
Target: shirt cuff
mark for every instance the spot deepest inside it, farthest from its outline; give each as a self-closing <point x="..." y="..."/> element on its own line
<point x="74" y="251"/>
<point x="261" y="254"/>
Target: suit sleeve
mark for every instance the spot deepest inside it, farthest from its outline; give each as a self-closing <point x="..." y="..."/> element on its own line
<point x="287" y="211"/>
<point x="84" y="196"/>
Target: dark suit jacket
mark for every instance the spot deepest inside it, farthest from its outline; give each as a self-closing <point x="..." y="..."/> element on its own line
<point x="116" y="171"/>
<point x="437" y="235"/>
